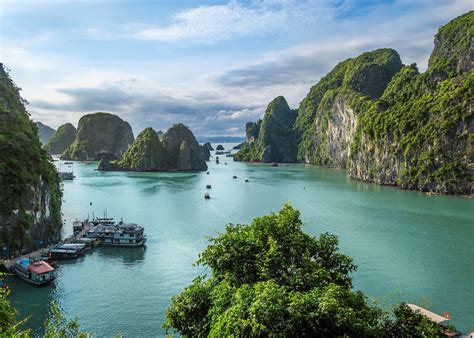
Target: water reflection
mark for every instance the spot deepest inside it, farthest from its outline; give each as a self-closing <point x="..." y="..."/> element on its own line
<point x="128" y="256"/>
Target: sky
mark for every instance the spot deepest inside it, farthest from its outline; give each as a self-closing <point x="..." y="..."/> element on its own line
<point x="212" y="65"/>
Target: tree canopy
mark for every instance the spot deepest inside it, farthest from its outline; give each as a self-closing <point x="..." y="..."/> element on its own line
<point x="271" y="278"/>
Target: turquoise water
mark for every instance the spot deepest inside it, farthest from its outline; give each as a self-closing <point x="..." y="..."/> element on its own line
<point x="408" y="246"/>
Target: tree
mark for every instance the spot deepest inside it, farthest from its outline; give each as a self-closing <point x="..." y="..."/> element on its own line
<point x="58" y="326"/>
<point x="270" y="278"/>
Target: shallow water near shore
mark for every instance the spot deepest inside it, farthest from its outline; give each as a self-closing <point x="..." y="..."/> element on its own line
<point x="407" y="245"/>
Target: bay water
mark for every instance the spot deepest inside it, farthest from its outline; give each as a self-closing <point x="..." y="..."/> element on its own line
<point x="408" y="246"/>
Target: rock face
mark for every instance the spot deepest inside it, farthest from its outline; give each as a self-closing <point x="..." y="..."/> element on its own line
<point x="273" y="139"/>
<point x="220" y="147"/>
<point x="206" y="151"/>
<point x="386" y="122"/>
<point x="30" y="194"/>
<point x="98" y="135"/>
<point x="177" y="150"/>
<point x="61" y="140"/>
<point x="45" y="133"/>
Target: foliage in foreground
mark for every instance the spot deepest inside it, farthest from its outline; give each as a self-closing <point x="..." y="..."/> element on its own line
<point x="55" y="326"/>
<point x="270" y="278"/>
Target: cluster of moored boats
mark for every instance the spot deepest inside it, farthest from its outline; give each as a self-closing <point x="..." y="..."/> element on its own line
<point x="87" y="235"/>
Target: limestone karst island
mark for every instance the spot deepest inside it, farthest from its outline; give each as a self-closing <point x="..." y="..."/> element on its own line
<point x="237" y="168"/>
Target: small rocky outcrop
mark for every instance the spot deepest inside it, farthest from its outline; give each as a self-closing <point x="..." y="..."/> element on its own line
<point x="45" y="133"/>
<point x="61" y="140"/>
<point x="30" y="193"/>
<point x="220" y="147"/>
<point x="178" y="150"/>
<point x="205" y="151"/>
<point x="273" y="139"/>
<point x="98" y="134"/>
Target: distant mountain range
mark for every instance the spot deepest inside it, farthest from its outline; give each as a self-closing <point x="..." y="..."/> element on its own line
<point x="220" y="139"/>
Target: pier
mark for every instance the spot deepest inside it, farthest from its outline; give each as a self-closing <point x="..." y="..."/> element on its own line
<point x="7" y="263"/>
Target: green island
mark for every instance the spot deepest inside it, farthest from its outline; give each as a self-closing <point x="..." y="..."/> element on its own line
<point x="383" y="121"/>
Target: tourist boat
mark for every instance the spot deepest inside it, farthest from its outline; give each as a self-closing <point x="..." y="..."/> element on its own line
<point x="208" y="186"/>
<point x="68" y="162"/>
<point x="67" y="251"/>
<point x="246" y="180"/>
<point x="234" y="177"/>
<point x="87" y="162"/>
<point x="88" y="242"/>
<point x="121" y="234"/>
<point x="34" y="272"/>
<point x="207" y="196"/>
<point x="274" y="164"/>
<point x="217" y="159"/>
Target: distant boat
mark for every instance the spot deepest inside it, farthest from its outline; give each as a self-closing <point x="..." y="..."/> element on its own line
<point x="207" y="196"/>
<point x="207" y="173"/>
<point x="234" y="177"/>
<point x="87" y="162"/>
<point x="67" y="176"/>
<point x="208" y="186"/>
<point x="246" y="180"/>
<point x="274" y="164"/>
<point x="34" y="272"/>
<point x="68" y="162"/>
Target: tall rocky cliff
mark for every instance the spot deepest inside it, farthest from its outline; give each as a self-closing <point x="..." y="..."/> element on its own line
<point x="45" y="132"/>
<point x="30" y="194"/>
<point x="177" y="150"/>
<point x="61" y="140"/>
<point x="272" y="139"/>
<point x="98" y="135"/>
<point x="386" y="122"/>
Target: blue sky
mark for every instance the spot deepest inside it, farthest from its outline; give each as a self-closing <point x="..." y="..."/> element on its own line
<point x="212" y="65"/>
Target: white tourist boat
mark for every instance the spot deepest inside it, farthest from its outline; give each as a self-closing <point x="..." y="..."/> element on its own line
<point x="121" y="234"/>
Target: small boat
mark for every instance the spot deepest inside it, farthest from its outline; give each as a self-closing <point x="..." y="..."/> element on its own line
<point x="234" y="177"/>
<point x="66" y="176"/>
<point x="68" y="162"/>
<point x="207" y="196"/>
<point x="246" y="180"/>
<point x="217" y="159"/>
<point x="225" y="163"/>
<point x="208" y="186"/>
<point x="87" y="162"/>
<point x="274" y="164"/>
<point x="34" y="272"/>
<point x="207" y="173"/>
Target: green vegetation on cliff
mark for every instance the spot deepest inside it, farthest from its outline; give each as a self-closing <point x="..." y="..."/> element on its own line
<point x="387" y="123"/>
<point x="273" y="139"/>
<point x="100" y="134"/>
<point x="30" y="195"/>
<point x="61" y="140"/>
<point x="422" y="125"/>
<point x="45" y="132"/>
<point x="177" y="150"/>
<point x="269" y="278"/>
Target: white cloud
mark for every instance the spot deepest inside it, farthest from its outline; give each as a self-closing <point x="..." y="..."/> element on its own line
<point x="212" y="23"/>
